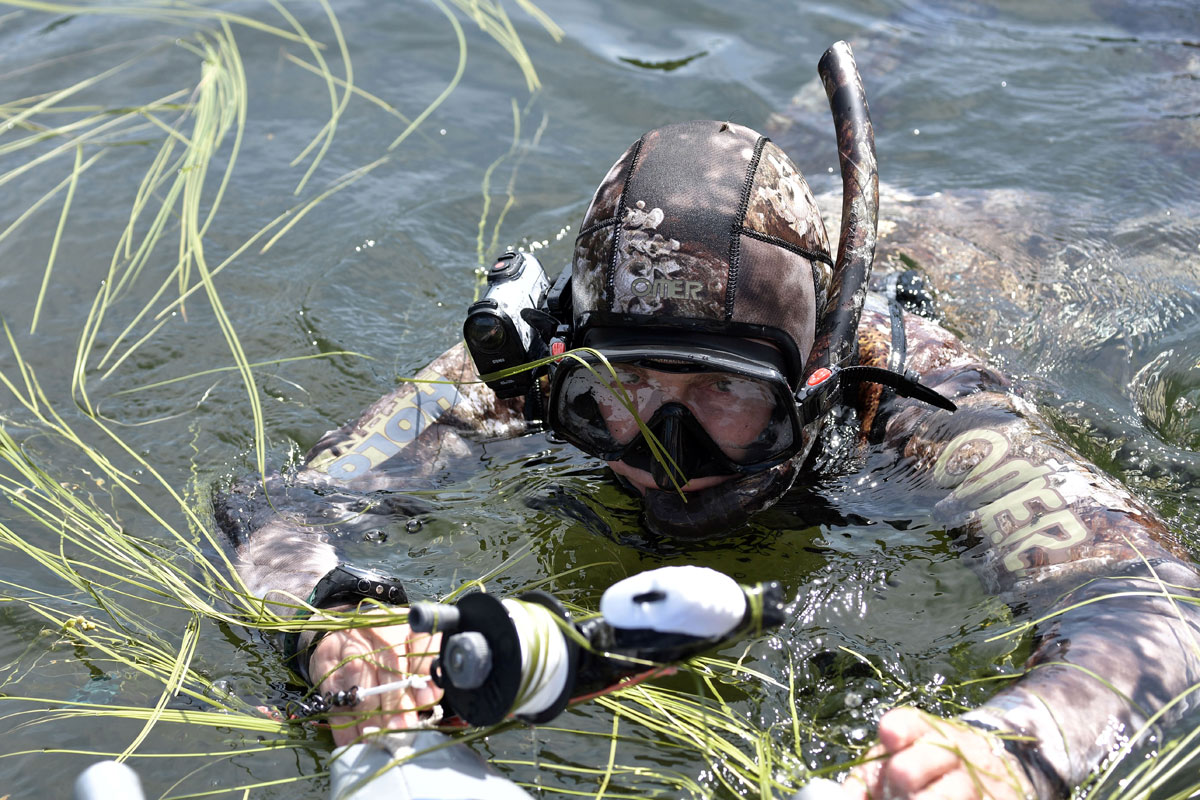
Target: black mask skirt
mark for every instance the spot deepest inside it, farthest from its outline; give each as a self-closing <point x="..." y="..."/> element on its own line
<point x="702" y="411"/>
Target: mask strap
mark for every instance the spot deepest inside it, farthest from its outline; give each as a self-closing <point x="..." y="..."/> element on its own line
<point x="905" y="384"/>
<point x="816" y="397"/>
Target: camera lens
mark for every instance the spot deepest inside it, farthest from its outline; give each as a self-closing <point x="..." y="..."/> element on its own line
<point x="485" y="332"/>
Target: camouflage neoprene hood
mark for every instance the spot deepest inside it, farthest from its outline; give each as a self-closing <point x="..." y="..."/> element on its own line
<point x="705" y="226"/>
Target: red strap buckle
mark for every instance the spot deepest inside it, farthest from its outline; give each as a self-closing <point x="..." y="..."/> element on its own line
<point x="820" y="376"/>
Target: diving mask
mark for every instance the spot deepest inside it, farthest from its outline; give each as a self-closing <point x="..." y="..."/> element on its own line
<point x="718" y="406"/>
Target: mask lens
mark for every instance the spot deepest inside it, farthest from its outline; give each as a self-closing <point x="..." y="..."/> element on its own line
<point x="739" y="413"/>
<point x="589" y="410"/>
<point x="746" y="417"/>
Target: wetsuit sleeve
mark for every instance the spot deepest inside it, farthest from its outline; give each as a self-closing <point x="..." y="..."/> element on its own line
<point x="1115" y="594"/>
<point x="404" y="441"/>
<point x="416" y="430"/>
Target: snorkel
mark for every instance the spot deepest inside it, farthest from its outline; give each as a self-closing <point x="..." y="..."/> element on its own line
<point x="837" y="328"/>
<point x="831" y="360"/>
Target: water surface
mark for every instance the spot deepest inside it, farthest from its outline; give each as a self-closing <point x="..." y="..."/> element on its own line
<point x="1064" y="138"/>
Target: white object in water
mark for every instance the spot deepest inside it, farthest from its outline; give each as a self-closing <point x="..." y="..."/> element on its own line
<point x="696" y="601"/>
<point x="108" y="780"/>
<point x="819" y="789"/>
<point x="368" y="771"/>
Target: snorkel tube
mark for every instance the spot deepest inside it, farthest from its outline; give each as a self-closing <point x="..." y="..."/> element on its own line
<point x="830" y="364"/>
<point x="837" y="331"/>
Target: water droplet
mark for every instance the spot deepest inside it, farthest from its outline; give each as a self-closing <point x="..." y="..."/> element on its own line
<point x="375" y="535"/>
<point x="442" y="131"/>
<point x="1003" y="84"/>
<point x="916" y="131"/>
<point x="413" y="525"/>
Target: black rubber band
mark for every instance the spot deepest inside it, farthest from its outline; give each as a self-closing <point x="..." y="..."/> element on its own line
<point x="604" y="223"/>
<point x="297" y="657"/>
<point x="1029" y="756"/>
<point x="735" y="239"/>
<point x="611" y="278"/>
<point x="811" y="255"/>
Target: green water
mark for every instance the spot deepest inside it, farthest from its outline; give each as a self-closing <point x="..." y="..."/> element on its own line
<point x="1087" y="109"/>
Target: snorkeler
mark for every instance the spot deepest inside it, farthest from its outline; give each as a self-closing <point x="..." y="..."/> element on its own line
<point x="739" y="349"/>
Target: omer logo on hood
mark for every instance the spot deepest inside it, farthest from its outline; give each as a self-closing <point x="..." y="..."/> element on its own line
<point x="665" y="287"/>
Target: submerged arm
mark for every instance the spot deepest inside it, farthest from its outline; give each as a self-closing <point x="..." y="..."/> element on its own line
<point x="1044" y="529"/>
<point x="359" y="472"/>
<point x="415" y="431"/>
<point x="350" y="478"/>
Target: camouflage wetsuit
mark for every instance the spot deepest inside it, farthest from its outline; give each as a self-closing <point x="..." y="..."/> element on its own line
<point x="1036" y="523"/>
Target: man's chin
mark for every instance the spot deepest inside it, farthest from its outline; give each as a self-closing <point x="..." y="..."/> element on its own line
<point x="697" y="514"/>
<point x="710" y="507"/>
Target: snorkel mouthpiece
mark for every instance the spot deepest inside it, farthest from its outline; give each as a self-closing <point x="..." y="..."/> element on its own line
<point x="684" y="450"/>
<point x="669" y="432"/>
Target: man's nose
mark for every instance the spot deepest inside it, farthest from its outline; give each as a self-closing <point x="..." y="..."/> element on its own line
<point x="647" y="403"/>
<point x="652" y="400"/>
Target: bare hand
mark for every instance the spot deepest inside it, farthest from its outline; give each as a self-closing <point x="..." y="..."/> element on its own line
<point x="368" y="657"/>
<point x="923" y="757"/>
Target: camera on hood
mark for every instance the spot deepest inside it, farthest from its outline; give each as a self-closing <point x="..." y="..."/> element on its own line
<point x="497" y="331"/>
